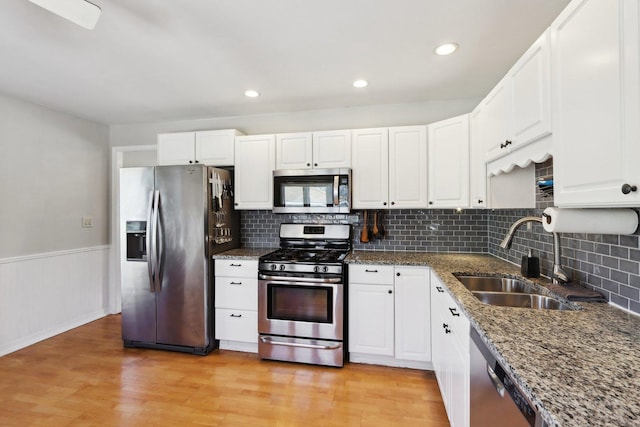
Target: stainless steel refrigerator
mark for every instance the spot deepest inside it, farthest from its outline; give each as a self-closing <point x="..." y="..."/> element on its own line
<point x="173" y="219"/>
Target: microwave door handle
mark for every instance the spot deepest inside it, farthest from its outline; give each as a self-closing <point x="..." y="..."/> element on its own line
<point x="336" y="186"/>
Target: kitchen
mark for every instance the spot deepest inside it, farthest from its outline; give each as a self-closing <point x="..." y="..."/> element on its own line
<point x="608" y="262"/>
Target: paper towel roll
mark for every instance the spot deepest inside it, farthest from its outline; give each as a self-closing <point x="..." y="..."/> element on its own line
<point x="591" y="221"/>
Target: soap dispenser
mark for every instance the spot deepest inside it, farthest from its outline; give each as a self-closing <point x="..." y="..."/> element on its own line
<point x="530" y="266"/>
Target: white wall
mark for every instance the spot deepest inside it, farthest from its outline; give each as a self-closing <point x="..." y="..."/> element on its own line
<point x="54" y="169"/>
<point x="339" y="118"/>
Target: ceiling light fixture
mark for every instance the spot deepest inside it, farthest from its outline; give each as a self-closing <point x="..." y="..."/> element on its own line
<point x="360" y="83"/>
<point x="446" y="49"/>
<point x="252" y="93"/>
<point x="80" y="12"/>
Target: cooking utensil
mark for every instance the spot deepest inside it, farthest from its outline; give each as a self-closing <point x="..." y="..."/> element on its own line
<point x="364" y="235"/>
<point x="375" y="229"/>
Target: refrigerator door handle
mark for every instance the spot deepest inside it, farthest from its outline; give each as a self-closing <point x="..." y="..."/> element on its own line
<point x="149" y="243"/>
<point x="154" y="241"/>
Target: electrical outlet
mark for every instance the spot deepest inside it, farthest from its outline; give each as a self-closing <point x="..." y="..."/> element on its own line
<point x="87" y="221"/>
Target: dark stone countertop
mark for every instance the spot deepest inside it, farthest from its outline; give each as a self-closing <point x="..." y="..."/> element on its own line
<point x="580" y="367"/>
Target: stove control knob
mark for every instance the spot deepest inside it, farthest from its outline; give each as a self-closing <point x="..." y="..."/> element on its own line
<point x="274" y="267"/>
<point x="325" y="269"/>
<point x="316" y="269"/>
<point x="281" y="267"/>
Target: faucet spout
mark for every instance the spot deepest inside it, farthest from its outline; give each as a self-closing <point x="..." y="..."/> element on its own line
<point x="508" y="239"/>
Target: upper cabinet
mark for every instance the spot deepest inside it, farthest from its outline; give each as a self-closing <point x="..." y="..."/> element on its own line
<point x="477" y="164"/>
<point x="330" y="149"/>
<point x="213" y="148"/>
<point x="390" y="168"/>
<point x="255" y="162"/>
<point x="408" y="167"/>
<point x="518" y="110"/>
<point x="596" y="103"/>
<point x="370" y="175"/>
<point x="449" y="163"/>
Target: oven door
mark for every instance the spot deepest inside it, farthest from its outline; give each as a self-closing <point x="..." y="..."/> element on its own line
<point x="302" y="307"/>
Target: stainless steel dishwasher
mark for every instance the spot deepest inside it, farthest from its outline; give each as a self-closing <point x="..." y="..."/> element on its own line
<point x="495" y="398"/>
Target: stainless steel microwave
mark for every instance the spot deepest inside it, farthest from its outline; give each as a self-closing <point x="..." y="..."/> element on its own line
<point x="312" y="190"/>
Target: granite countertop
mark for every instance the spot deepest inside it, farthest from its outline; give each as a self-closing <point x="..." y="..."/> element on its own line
<point x="580" y="367"/>
<point x="243" y="253"/>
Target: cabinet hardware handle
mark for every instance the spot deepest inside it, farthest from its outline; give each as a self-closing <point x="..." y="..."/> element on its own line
<point x="626" y="188"/>
<point x="398" y="274"/>
<point x="390" y="291"/>
<point x="439" y="289"/>
<point x="315" y="164"/>
<point x="447" y="331"/>
<point x="480" y="201"/>
<point x="190" y="161"/>
<point x="235" y="283"/>
<point x="308" y="164"/>
<point x="393" y="203"/>
<point x="384" y="203"/>
<point x="235" y="315"/>
<point x="430" y="202"/>
<point x="454" y="312"/>
<point x="445" y="326"/>
<point x="197" y="161"/>
<point x="502" y="146"/>
<point x="235" y="265"/>
<point x="370" y="271"/>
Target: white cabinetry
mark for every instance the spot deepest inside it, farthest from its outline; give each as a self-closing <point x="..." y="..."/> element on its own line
<point x="213" y="147"/>
<point x="255" y="162"/>
<point x="389" y="316"/>
<point x="518" y="110"/>
<point x="450" y="334"/>
<point x="449" y="163"/>
<point x="596" y="103"/>
<point x="477" y="163"/>
<point x="236" y="304"/>
<point x="330" y="149"/>
<point x="390" y="168"/>
<point x="408" y="167"/>
<point x="370" y="175"/>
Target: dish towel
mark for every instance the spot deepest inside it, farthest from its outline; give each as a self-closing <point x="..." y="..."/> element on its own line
<point x="576" y="292"/>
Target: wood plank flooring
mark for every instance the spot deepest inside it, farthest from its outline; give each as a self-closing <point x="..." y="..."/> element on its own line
<point x="85" y="377"/>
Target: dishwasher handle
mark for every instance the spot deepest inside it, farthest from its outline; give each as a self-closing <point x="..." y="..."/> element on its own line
<point x="496" y="381"/>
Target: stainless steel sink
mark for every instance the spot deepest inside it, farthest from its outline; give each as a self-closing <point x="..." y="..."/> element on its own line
<point x="507" y="299"/>
<point x="496" y="284"/>
<point x="510" y="292"/>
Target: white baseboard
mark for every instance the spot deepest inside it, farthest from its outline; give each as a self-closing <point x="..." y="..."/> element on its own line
<point x="246" y="347"/>
<point x="374" y="359"/>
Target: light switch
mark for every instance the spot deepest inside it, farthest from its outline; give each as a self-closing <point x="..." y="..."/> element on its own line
<point x="87" y="221"/>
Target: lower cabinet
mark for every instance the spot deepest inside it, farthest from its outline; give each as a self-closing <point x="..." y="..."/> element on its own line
<point x="389" y="315"/>
<point x="450" y="333"/>
<point x="236" y="304"/>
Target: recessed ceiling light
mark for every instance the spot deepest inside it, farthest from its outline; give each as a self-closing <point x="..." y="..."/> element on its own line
<point x="360" y="83"/>
<point x="252" y="93"/>
<point x="446" y="49"/>
<point x="79" y="12"/>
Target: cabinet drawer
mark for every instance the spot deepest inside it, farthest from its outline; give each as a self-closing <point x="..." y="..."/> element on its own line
<point x="236" y="268"/>
<point x="371" y="274"/>
<point x="457" y="321"/>
<point x="237" y="325"/>
<point x="236" y="292"/>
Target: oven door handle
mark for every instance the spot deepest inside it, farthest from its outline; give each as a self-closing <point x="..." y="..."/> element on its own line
<point x="294" y="280"/>
<point x="269" y="340"/>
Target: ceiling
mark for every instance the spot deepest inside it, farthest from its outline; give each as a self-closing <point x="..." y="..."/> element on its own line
<point x="159" y="60"/>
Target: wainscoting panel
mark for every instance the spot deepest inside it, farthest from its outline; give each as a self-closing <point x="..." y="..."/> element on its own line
<point x="45" y="294"/>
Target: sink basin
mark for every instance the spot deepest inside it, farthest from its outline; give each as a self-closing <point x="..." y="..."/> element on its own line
<point x="496" y="284"/>
<point x="508" y="299"/>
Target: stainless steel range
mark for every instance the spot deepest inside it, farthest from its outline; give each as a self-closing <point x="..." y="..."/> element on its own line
<point x="301" y="295"/>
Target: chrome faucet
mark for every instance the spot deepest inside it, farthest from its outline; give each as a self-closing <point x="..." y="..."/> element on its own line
<point x="559" y="275"/>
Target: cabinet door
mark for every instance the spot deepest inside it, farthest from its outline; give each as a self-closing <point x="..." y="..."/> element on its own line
<point x="440" y="352"/>
<point x="412" y="314"/>
<point x="408" y="167"/>
<point x="216" y="147"/>
<point x="293" y="151"/>
<point x="176" y="148"/>
<point x="371" y="319"/>
<point x="332" y="149"/>
<point x="497" y="117"/>
<point x="477" y="162"/>
<point x="531" y="94"/>
<point x="596" y="101"/>
<point x="255" y="162"/>
<point x="370" y="174"/>
<point x="449" y="163"/>
<point x="459" y="409"/>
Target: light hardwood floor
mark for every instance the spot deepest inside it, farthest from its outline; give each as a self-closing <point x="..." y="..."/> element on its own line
<point x="85" y="377"/>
